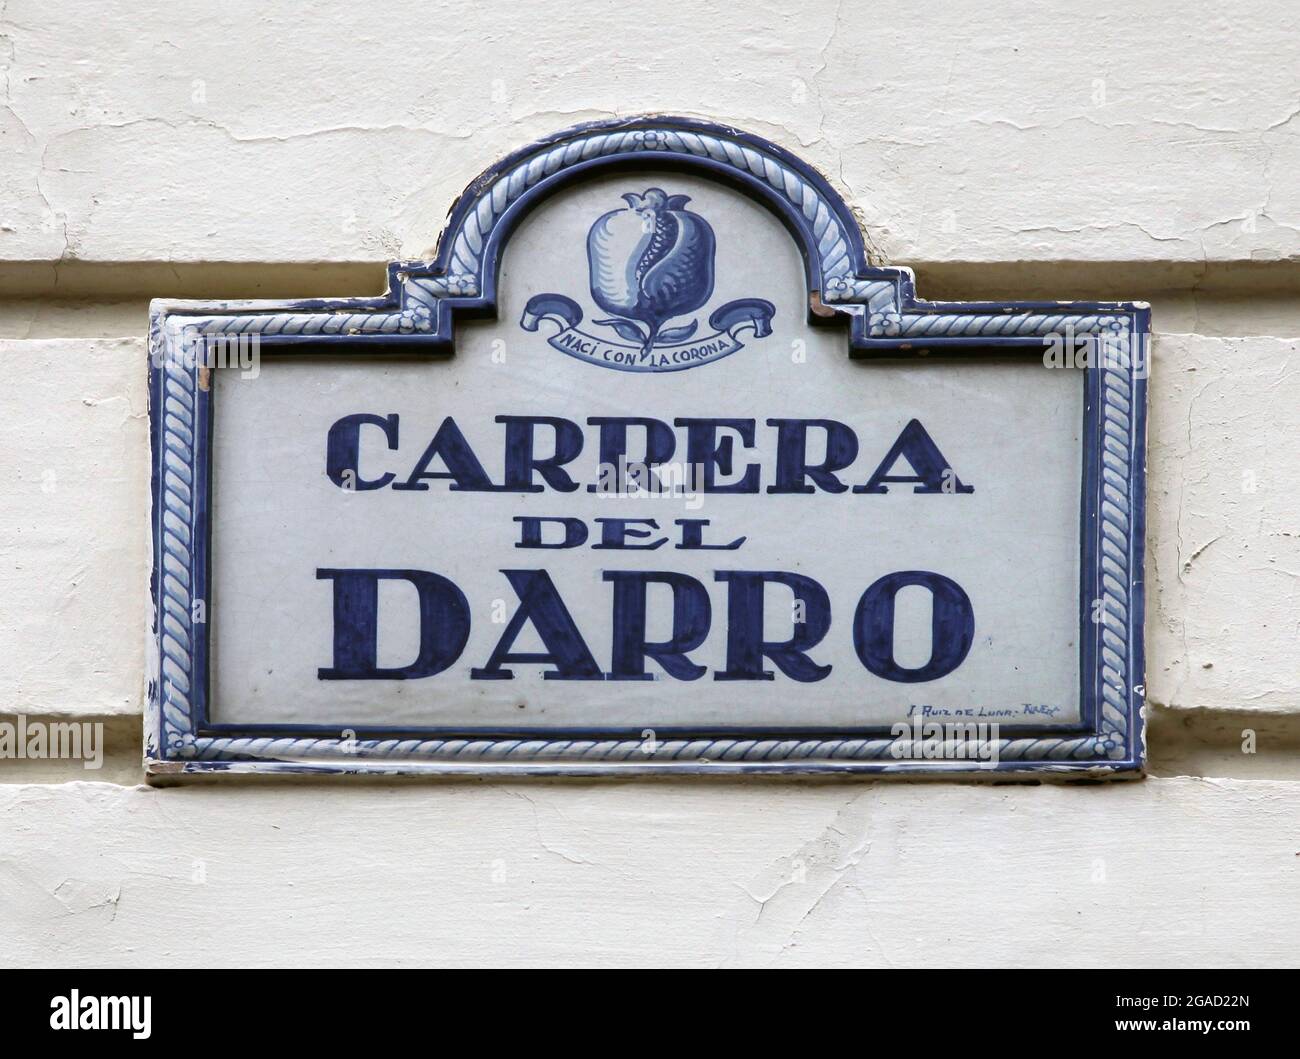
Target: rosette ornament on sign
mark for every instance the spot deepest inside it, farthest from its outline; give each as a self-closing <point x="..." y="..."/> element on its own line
<point x="651" y="267"/>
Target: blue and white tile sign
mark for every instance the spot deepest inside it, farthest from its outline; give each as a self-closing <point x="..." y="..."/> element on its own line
<point x="648" y="470"/>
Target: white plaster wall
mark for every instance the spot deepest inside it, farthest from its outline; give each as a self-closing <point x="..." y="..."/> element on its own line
<point x="74" y="431"/>
<point x="1155" y="136"/>
<point x="965" y="131"/>
<point x="1223" y="496"/>
<point x="1169" y="873"/>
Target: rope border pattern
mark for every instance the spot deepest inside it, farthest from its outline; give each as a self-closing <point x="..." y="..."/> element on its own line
<point x="418" y="312"/>
<point x="830" y="239"/>
<point x="176" y="632"/>
<point x="178" y="525"/>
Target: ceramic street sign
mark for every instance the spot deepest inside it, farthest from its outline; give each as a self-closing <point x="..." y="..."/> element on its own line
<point x="647" y="470"/>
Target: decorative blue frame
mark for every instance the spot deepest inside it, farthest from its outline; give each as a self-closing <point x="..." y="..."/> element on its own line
<point x="885" y="319"/>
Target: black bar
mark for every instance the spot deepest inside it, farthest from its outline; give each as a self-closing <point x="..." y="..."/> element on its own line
<point x="382" y="1008"/>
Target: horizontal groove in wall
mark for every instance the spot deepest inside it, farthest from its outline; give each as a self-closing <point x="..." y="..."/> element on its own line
<point x="1226" y="744"/>
<point x="1208" y="743"/>
<point x="1102" y="280"/>
<point x="84" y="300"/>
<point x="956" y="280"/>
<point x="132" y="280"/>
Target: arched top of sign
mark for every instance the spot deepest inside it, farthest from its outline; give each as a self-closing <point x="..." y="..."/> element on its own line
<point x="885" y="317"/>
<point x="880" y="302"/>
<point x="820" y="221"/>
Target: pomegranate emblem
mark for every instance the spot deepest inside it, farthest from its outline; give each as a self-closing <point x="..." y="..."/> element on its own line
<point x="650" y="265"/>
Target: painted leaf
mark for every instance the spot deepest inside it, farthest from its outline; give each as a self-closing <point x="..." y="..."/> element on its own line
<point x="678" y="334"/>
<point x="625" y="328"/>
